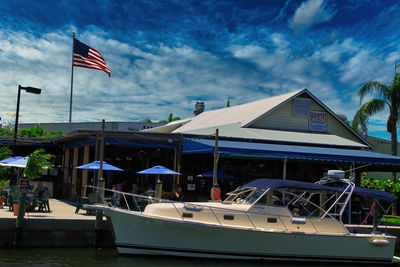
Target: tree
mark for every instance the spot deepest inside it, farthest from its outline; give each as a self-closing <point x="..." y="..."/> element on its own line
<point x="5" y="153"/>
<point x="172" y="118"/>
<point x="387" y="95"/>
<point x="37" y="161"/>
<point x="343" y="118"/>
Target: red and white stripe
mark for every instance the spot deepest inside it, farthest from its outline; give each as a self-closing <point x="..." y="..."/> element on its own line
<point x="94" y="61"/>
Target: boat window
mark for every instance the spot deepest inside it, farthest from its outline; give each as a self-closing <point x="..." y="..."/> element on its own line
<point x="240" y="195"/>
<point x="272" y="220"/>
<point x="229" y="217"/>
<point x="187" y="215"/>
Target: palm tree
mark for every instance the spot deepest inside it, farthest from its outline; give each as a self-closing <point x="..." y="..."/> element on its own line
<point x="387" y="95"/>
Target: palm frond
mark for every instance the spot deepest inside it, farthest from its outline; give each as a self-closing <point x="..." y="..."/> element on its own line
<point x="370" y="108"/>
<point x="378" y="88"/>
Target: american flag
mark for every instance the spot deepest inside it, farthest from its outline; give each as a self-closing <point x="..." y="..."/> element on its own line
<point x="87" y="57"/>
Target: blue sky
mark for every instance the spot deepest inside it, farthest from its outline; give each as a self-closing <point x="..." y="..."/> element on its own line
<point x="166" y="55"/>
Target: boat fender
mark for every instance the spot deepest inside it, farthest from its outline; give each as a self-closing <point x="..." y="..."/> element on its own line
<point x="380" y="242"/>
<point x="195" y="208"/>
<point x="295" y="220"/>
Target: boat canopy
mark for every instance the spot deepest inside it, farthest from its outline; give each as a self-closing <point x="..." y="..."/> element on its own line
<point x="291" y="185"/>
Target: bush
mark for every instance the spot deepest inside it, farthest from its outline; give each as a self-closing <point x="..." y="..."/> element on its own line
<point x="381" y="184"/>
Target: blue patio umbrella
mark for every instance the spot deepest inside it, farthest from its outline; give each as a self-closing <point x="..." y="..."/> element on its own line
<point x="95" y="165"/>
<point x="220" y="175"/>
<point x="18" y="163"/>
<point x="158" y="170"/>
<point x="5" y="161"/>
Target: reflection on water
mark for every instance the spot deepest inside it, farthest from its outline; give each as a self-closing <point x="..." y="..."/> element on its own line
<point x="110" y="257"/>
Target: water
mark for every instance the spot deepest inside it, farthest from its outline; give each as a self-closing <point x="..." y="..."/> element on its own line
<point x="109" y="257"/>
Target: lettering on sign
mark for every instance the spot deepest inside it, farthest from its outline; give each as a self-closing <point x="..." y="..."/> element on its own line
<point x="318" y="121"/>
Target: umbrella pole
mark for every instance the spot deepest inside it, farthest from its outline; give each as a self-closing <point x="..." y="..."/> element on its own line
<point x="158" y="187"/>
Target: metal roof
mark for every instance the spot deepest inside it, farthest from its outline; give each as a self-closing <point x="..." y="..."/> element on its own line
<point x="203" y="146"/>
<point x="236" y="131"/>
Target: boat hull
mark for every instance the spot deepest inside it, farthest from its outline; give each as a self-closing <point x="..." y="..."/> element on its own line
<point x="137" y="233"/>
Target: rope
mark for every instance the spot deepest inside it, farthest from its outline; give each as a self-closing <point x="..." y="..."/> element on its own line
<point x="369" y="213"/>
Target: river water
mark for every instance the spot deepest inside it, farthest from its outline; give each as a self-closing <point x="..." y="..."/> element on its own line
<point x="109" y="257"/>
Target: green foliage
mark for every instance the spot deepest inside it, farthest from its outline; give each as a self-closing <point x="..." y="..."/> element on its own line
<point x="35" y="132"/>
<point x="5" y="153"/>
<point x="4" y="184"/>
<point x="36" y="162"/>
<point x="52" y="134"/>
<point x="384" y="95"/>
<point x="381" y="184"/>
<point x="172" y="118"/>
<point x="5" y="132"/>
<point x="343" y="118"/>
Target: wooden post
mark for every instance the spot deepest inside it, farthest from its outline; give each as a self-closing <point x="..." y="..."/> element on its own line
<point x="215" y="190"/>
<point x="101" y="183"/>
<point x="85" y="172"/>
<point x="65" y="172"/>
<point x="74" y="172"/>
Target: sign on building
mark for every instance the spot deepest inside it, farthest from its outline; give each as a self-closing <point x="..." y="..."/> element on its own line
<point x="318" y="121"/>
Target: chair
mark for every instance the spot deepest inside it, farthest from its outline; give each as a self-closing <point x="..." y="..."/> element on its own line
<point x="43" y="201"/>
<point x="12" y="197"/>
<point x="92" y="198"/>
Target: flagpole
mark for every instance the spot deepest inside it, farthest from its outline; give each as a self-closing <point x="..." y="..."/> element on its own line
<point x="72" y="79"/>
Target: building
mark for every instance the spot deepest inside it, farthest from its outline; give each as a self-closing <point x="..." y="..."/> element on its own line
<point x="93" y="126"/>
<point x="290" y="136"/>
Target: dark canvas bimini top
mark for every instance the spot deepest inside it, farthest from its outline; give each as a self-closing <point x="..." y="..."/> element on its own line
<point x="291" y="185"/>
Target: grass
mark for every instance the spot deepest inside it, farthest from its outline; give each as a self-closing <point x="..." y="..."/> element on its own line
<point x="391" y="219"/>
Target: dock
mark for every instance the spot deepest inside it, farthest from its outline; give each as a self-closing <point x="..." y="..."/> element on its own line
<point x="60" y="227"/>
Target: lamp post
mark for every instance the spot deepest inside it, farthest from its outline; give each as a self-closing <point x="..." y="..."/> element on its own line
<point x="31" y="90"/>
<point x="21" y="202"/>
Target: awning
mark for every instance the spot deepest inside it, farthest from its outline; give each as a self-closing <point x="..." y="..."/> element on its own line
<point x="291" y="185"/>
<point x="202" y="146"/>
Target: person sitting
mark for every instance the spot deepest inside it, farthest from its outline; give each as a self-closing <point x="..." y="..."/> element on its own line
<point x="36" y="194"/>
<point x="134" y="189"/>
<point x="177" y="194"/>
<point x="115" y="196"/>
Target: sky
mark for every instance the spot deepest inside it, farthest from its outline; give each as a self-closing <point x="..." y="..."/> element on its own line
<point x="165" y="55"/>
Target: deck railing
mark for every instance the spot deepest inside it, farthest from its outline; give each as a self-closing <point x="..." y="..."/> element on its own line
<point x="136" y="202"/>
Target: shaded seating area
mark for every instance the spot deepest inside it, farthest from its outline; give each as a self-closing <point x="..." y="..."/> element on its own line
<point x="43" y="201"/>
<point x="91" y="199"/>
<point x="12" y="197"/>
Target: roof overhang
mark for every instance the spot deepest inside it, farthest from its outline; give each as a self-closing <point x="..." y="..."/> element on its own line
<point x="204" y="146"/>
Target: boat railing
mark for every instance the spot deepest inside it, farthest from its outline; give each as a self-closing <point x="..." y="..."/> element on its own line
<point x="137" y="203"/>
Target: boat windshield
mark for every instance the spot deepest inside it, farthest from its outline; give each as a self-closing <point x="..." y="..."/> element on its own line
<point x="245" y="195"/>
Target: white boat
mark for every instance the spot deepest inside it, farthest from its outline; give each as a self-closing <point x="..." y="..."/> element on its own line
<point x="252" y="223"/>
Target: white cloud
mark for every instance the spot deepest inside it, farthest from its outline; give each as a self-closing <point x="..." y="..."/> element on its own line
<point x="309" y="13"/>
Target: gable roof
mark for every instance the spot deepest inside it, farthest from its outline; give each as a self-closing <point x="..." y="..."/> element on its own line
<point x="243" y="114"/>
<point x="246" y="114"/>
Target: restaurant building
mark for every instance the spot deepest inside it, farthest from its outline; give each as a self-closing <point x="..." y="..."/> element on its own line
<point x="290" y="136"/>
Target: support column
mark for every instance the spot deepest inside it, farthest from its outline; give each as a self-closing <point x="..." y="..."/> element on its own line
<point x="74" y="172"/>
<point x="66" y="172"/>
<point x="85" y="172"/>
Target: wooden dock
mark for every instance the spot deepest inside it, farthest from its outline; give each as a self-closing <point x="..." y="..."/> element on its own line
<point x="60" y="227"/>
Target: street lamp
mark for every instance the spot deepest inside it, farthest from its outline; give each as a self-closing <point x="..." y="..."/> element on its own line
<point x="21" y="201"/>
<point x="31" y="90"/>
